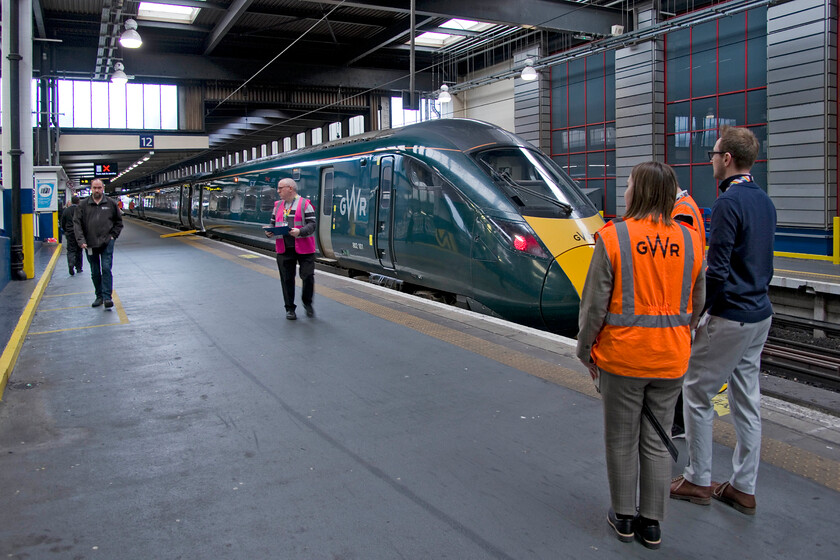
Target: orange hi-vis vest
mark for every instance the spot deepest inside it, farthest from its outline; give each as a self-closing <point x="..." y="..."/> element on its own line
<point x="646" y="331"/>
<point x="686" y="206"/>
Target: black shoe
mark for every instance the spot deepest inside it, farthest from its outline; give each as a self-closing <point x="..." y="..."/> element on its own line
<point x="290" y="315"/>
<point x="97" y="302"/>
<point x="109" y="303"/>
<point x="79" y="270"/>
<point x="71" y="271"/>
<point x="677" y="432"/>
<point x="623" y="526"/>
<point x="310" y="311"/>
<point x="647" y="532"/>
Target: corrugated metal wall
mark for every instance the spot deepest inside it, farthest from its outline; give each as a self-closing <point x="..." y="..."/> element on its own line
<point x="532" y="105"/>
<point x="639" y="106"/>
<point x="801" y="107"/>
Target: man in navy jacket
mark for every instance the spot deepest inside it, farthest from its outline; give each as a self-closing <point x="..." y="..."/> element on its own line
<point x="733" y="329"/>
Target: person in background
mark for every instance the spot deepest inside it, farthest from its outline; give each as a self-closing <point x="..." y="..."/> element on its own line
<point x="295" y="248"/>
<point x="686" y="211"/>
<point x="97" y="225"/>
<point x="733" y="329"/>
<point x="643" y="294"/>
<point x="74" y="252"/>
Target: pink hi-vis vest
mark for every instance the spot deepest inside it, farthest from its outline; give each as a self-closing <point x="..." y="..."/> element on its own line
<point x="303" y="245"/>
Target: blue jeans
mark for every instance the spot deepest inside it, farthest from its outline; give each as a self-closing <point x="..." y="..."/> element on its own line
<point x="100" y="269"/>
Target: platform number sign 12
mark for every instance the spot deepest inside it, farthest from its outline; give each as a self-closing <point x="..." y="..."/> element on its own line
<point x="147" y="141"/>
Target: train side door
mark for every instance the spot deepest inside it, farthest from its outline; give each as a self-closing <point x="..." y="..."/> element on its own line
<point x="184" y="205"/>
<point x="325" y="213"/>
<point x="384" y="202"/>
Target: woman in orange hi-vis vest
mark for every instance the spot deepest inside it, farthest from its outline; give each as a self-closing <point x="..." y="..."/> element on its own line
<point x="643" y="295"/>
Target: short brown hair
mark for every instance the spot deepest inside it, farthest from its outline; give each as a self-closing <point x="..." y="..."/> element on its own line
<point x="654" y="192"/>
<point x="741" y="144"/>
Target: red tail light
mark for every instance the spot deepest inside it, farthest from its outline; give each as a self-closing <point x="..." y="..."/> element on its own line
<point x="521" y="237"/>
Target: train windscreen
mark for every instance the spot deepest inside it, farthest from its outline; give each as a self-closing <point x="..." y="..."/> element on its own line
<point x="534" y="182"/>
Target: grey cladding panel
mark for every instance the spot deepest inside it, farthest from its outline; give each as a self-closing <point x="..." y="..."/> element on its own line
<point x="795" y="59"/>
<point x="803" y="150"/>
<point x="796" y="111"/>
<point x="797" y="138"/>
<point x="798" y="33"/>
<point x="630" y="131"/>
<point x="796" y="163"/>
<point x="794" y="125"/>
<point x="798" y="44"/>
<point x="799" y="11"/>
<point x="803" y="177"/>
<point x="633" y="90"/>
<point x="804" y="70"/>
<point x="805" y="84"/>
<point x="784" y="99"/>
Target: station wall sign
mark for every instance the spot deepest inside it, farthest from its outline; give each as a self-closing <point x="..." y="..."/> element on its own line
<point x="105" y="169"/>
<point x="147" y="141"/>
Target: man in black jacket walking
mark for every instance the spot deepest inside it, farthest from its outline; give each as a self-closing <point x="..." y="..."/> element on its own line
<point x="96" y="225"/>
<point x="74" y="252"/>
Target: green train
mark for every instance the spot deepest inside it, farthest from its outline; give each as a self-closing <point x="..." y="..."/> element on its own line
<point x="457" y="209"/>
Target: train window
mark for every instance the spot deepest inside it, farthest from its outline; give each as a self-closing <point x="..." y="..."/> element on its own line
<point x="421" y="176"/>
<point x="249" y="201"/>
<point x="533" y="181"/>
<point x="268" y="196"/>
<point x="327" y="180"/>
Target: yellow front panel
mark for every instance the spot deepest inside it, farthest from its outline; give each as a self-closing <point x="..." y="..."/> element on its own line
<point x="570" y="241"/>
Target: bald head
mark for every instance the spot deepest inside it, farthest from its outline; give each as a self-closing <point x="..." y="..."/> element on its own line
<point x="287" y="189"/>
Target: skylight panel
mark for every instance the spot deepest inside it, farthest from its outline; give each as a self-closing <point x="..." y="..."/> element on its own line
<point x="432" y="39"/>
<point x="467" y="25"/>
<point x="167" y="12"/>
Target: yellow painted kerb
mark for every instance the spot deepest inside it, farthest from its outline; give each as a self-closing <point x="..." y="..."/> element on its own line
<point x="10" y="354"/>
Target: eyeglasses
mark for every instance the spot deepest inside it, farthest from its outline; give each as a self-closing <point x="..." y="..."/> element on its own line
<point x="711" y="154"/>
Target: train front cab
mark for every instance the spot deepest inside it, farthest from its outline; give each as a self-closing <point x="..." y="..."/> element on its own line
<point x="557" y="234"/>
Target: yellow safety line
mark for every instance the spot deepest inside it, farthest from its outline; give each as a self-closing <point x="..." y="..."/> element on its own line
<point x="804" y="256"/>
<point x="64" y="295"/>
<point x="120" y="313"/>
<point x="179" y="233"/>
<point x="806" y="273"/>
<point x="62" y="308"/>
<point x="12" y="350"/>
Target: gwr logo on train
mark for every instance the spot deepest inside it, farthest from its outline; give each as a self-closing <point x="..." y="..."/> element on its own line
<point x="353" y="203"/>
<point x="651" y="247"/>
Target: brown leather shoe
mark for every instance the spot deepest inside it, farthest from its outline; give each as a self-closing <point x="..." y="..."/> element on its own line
<point x="731" y="496"/>
<point x="681" y="489"/>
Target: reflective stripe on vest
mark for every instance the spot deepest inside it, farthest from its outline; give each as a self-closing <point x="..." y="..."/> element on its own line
<point x="628" y="317"/>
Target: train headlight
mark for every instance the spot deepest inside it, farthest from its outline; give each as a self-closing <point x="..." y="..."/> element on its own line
<point x="520" y="237"/>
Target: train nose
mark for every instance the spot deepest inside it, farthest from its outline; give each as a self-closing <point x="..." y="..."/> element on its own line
<point x="560" y="297"/>
<point x="572" y="243"/>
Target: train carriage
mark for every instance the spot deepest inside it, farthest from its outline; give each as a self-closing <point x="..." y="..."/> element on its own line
<point x="456" y="208"/>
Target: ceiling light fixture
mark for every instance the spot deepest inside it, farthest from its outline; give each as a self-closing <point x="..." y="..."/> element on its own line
<point x="528" y="73"/>
<point x="444" y="96"/>
<point x="119" y="77"/>
<point x="130" y="39"/>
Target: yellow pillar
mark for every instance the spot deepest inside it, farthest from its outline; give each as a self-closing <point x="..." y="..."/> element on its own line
<point x="27" y="238"/>
<point x="836" y="259"/>
<point x="55" y="225"/>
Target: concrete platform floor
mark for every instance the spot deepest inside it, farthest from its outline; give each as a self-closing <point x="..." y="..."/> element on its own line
<point x="194" y="421"/>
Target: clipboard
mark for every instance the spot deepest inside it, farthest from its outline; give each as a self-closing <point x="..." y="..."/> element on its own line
<point x="278" y="230"/>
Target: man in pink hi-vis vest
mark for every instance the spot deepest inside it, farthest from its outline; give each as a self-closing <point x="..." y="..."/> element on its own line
<point x="297" y="247"/>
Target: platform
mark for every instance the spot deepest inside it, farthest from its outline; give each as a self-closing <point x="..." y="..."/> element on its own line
<point x="194" y="421"/>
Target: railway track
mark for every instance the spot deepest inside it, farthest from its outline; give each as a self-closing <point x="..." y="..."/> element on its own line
<point x="803" y="361"/>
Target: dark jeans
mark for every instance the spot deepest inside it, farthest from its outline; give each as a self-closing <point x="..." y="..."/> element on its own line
<point x="74" y="255"/>
<point x="100" y="270"/>
<point x="286" y="263"/>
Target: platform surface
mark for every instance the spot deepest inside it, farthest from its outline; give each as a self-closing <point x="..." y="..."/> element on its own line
<point x="194" y="421"/>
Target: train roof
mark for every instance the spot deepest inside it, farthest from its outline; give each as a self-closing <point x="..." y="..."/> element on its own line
<point x="455" y="134"/>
